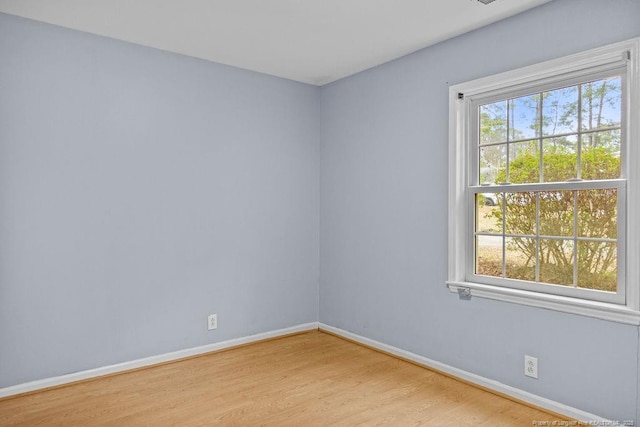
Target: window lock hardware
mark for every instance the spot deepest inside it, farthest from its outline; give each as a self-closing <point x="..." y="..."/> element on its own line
<point x="464" y="292"/>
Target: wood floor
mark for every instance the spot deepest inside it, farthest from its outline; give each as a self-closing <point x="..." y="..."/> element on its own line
<point x="310" y="379"/>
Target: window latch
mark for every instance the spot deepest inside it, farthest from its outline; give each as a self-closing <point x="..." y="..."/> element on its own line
<point x="464" y="293"/>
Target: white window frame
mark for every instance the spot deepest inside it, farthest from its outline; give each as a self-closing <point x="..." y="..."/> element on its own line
<point x="623" y="307"/>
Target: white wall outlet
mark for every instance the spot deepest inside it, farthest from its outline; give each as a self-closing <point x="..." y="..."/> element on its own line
<point x="531" y="366"/>
<point x="212" y="322"/>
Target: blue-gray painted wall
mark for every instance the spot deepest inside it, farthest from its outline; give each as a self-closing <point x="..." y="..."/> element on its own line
<point x="384" y="217"/>
<point x="141" y="191"/>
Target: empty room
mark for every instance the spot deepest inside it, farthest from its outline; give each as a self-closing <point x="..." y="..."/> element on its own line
<point x="276" y="212"/>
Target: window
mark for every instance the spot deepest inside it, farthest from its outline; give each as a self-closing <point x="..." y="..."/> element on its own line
<point x="544" y="185"/>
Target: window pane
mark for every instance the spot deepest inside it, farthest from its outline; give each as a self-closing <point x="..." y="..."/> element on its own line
<point x="601" y="103"/>
<point x="489" y="255"/>
<point x="560" y="111"/>
<point x="524" y="162"/>
<point x="556" y="213"/>
<point x="601" y="155"/>
<point x="560" y="159"/>
<point x="524" y="117"/>
<point x="520" y="258"/>
<point x="493" y="159"/>
<point x="556" y="261"/>
<point x="553" y="235"/>
<point x="488" y="213"/>
<point x="520" y="212"/>
<point x="597" y="265"/>
<point x="598" y="213"/>
<point x="493" y="122"/>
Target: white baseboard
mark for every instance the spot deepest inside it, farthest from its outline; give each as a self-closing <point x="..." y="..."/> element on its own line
<point x="524" y="396"/>
<point x="521" y="395"/>
<point x="152" y="360"/>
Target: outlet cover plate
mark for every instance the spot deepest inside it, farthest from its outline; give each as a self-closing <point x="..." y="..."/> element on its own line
<point x="212" y="322"/>
<point x="531" y="366"/>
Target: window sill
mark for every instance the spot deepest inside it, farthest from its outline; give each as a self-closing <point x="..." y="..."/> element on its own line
<point x="599" y="310"/>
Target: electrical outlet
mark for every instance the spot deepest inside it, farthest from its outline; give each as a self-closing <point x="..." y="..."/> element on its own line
<point x="531" y="366"/>
<point x="212" y="322"/>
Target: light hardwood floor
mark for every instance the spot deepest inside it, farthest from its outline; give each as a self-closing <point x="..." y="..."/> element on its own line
<point x="309" y="379"/>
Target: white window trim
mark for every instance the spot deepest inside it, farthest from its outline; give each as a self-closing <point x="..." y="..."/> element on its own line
<point x="459" y="232"/>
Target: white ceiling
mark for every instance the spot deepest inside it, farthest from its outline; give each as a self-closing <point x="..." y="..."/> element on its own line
<point x="311" y="41"/>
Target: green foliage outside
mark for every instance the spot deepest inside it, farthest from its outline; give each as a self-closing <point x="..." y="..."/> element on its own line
<point x="553" y="121"/>
<point x="596" y="218"/>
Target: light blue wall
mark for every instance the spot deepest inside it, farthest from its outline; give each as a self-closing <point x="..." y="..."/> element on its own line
<point x="384" y="217"/>
<point x="141" y="191"/>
